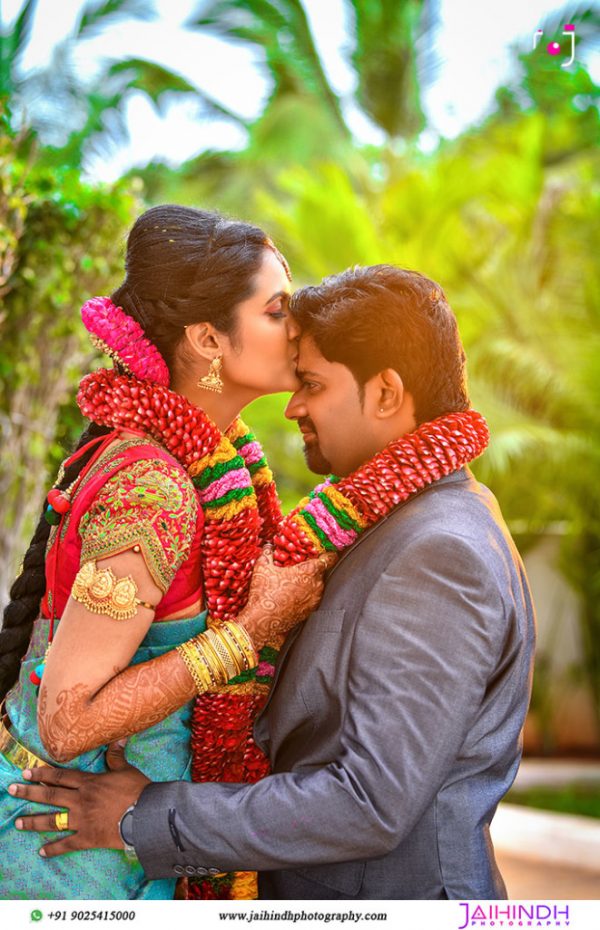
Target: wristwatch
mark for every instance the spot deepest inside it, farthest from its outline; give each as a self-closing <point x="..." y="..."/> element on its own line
<point x="126" y="832"/>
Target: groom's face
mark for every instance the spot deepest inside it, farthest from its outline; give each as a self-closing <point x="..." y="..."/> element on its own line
<point x="336" y="428"/>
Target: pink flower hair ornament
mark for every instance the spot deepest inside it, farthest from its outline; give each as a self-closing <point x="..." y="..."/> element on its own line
<point x="119" y="336"/>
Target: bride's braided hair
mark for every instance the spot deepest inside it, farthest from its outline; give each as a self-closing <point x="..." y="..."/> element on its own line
<point x="183" y="266"/>
<point x="28" y="588"/>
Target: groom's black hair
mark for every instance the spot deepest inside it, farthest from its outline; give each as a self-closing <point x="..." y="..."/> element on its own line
<point x="380" y="316"/>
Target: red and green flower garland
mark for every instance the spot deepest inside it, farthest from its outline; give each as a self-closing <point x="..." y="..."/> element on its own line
<point x="241" y="510"/>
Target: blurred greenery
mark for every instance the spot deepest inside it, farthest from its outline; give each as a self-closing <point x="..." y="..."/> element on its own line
<point x="505" y="216"/>
<point x="304" y="120"/>
<point x="75" y="117"/>
<point x="60" y="241"/>
<point x="582" y="799"/>
<point x="387" y="34"/>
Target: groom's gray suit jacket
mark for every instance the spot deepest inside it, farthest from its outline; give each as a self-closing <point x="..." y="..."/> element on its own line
<point x="394" y="726"/>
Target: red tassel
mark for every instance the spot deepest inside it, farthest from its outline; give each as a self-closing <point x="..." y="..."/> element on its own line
<point x="59" y="501"/>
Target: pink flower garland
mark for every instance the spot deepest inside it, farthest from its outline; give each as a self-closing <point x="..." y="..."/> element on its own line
<point x="119" y="336"/>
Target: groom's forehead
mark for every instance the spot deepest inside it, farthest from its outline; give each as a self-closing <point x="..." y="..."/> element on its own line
<point x="311" y="361"/>
<point x="313" y="364"/>
<point x="309" y="354"/>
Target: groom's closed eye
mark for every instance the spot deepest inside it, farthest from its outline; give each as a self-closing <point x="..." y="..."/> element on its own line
<point x="310" y="386"/>
<point x="307" y="377"/>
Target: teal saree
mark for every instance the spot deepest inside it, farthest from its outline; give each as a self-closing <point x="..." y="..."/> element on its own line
<point x="162" y="752"/>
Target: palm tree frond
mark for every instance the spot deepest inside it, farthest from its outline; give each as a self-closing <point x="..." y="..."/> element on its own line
<point x="96" y="16"/>
<point x="22" y="28"/>
<point x="228" y="19"/>
<point x="151" y="77"/>
<point x="12" y="45"/>
<point x="385" y="61"/>
<point x="281" y="31"/>
<point x="156" y="81"/>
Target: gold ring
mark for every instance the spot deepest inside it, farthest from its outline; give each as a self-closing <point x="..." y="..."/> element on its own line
<point x="61" y="819"/>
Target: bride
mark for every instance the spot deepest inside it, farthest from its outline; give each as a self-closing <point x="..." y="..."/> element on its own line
<point x="143" y="556"/>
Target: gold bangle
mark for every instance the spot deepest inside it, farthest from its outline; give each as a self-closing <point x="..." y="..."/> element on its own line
<point x="196" y="668"/>
<point x="240" y="632"/>
<point x="241" y="640"/>
<point x="221" y="647"/>
<point x="183" y="652"/>
<point x="217" y="655"/>
<point x="101" y="592"/>
<point x="205" y="663"/>
<point x="204" y="671"/>
<point x="216" y="626"/>
<point x="211" y="650"/>
<point x="230" y="658"/>
<point x="236" y="650"/>
<point x="227" y="654"/>
<point x="237" y="662"/>
<point x="208" y="655"/>
<point x="210" y="662"/>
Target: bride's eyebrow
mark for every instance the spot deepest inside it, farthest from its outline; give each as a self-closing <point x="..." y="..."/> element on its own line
<point x="275" y="296"/>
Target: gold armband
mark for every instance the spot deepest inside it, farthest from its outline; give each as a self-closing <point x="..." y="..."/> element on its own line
<point x="102" y="592"/>
<point x="221" y="653"/>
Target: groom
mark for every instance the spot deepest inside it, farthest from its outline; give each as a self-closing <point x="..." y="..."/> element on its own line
<point x="394" y="726"/>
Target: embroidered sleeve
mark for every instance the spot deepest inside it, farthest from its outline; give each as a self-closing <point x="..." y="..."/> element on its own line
<point x="150" y="504"/>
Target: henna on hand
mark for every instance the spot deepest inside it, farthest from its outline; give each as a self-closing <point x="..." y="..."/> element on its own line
<point x="281" y="597"/>
<point x="79" y="718"/>
<point x="136" y="699"/>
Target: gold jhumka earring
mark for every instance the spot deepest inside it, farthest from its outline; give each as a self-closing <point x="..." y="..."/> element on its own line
<point x="212" y="380"/>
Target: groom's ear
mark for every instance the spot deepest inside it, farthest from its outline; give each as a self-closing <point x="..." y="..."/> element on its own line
<point x="384" y="394"/>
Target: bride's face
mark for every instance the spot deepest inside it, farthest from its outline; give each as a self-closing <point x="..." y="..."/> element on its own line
<point x="260" y="355"/>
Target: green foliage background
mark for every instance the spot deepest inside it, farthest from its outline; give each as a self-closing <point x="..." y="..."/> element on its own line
<point x="60" y="241"/>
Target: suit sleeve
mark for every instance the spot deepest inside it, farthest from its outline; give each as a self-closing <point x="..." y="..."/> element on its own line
<point x="424" y="648"/>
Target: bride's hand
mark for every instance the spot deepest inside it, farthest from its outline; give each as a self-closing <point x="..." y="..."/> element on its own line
<point x="281" y="597"/>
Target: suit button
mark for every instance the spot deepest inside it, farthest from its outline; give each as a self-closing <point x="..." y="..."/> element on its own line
<point x="190" y="870"/>
<point x="201" y="871"/>
<point x="178" y="869"/>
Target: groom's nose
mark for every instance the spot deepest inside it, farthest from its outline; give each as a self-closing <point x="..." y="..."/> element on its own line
<point x="296" y="407"/>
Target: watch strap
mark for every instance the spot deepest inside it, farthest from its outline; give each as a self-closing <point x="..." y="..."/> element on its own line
<point x="126" y="832"/>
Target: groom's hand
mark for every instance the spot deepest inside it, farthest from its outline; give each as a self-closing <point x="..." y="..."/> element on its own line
<point x="95" y="803"/>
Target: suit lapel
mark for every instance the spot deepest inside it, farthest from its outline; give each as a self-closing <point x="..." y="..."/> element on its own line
<point x="460" y="475"/>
